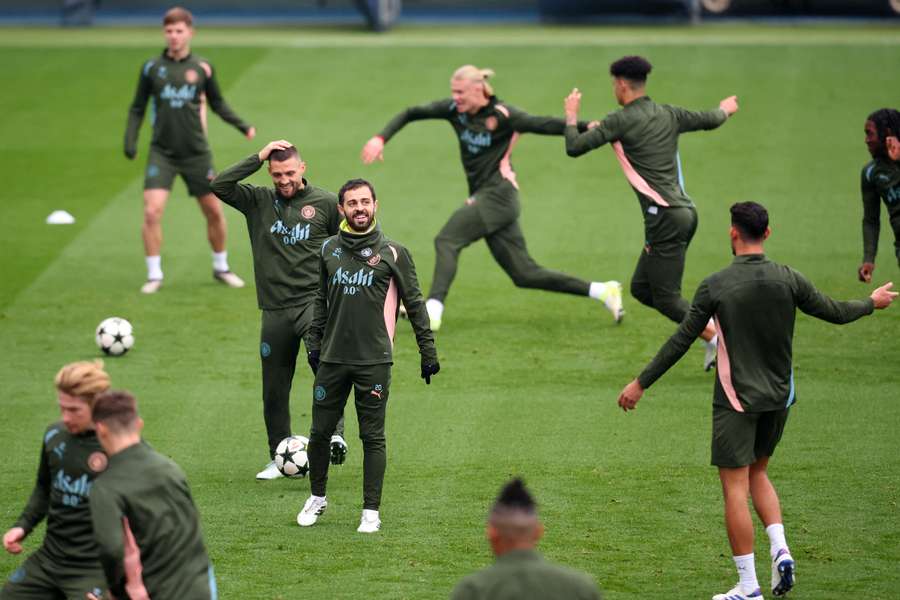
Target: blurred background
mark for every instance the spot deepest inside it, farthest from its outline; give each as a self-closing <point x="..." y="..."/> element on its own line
<point x="382" y="14"/>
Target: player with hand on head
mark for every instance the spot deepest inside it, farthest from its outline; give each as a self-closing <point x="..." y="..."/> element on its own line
<point x="488" y="129"/>
<point x="644" y="137"/>
<point x="287" y="224"/>
<point x="880" y="181"/>
<point x="362" y="278"/>
<point x="520" y="572"/>
<point x="67" y="565"/>
<point x="753" y="304"/>
<point x="147" y="526"/>
<point x="179" y="86"/>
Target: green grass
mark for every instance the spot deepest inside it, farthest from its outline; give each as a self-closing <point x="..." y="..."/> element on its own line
<point x="529" y="379"/>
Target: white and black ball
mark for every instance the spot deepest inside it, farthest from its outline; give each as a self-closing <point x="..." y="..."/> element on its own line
<point x="291" y="458"/>
<point x="115" y="336"/>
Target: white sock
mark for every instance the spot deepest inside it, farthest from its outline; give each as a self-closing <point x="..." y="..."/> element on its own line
<point x="713" y="342"/>
<point x="598" y="290"/>
<point x="370" y="515"/>
<point x="746" y="568"/>
<point x="154" y="268"/>
<point x="775" y="531"/>
<point x="435" y="308"/>
<point x="220" y="261"/>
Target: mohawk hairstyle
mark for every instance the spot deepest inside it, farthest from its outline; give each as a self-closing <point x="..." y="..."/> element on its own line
<point x="887" y="122"/>
<point x="514" y="496"/>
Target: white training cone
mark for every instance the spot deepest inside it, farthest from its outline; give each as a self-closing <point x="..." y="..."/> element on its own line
<point x="60" y="217"/>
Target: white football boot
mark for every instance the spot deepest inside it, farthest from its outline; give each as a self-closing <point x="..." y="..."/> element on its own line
<point x="228" y="278"/>
<point x="613" y="300"/>
<point x="338" y="450"/>
<point x="369" y="522"/>
<point x="736" y="593"/>
<point x="270" y="471"/>
<point x="782" y="573"/>
<point x="152" y="286"/>
<point x="401" y="311"/>
<point x="710" y="353"/>
<point x="435" y="310"/>
<point x="309" y="514"/>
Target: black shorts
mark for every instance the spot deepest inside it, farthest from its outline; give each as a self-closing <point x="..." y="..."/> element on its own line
<point x="740" y="439"/>
<point x="196" y="171"/>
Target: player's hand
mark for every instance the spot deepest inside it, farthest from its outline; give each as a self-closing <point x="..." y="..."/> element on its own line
<point x="865" y="272"/>
<point x="107" y="596"/>
<point x="12" y="539"/>
<point x="134" y="570"/>
<point x="312" y="357"/>
<point x="251" y="133"/>
<point x="130" y="153"/>
<point x="429" y="369"/>
<point x="883" y="296"/>
<point x="892" y="145"/>
<point x="629" y="397"/>
<point x="593" y="124"/>
<point x="729" y="105"/>
<point x="572" y="105"/>
<point x="373" y="150"/>
<point x="271" y="147"/>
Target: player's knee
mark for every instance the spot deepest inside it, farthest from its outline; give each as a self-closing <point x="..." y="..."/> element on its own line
<point x="524" y="279"/>
<point x="641" y="293"/>
<point x="671" y="305"/>
<point x="372" y="440"/>
<point x="152" y="214"/>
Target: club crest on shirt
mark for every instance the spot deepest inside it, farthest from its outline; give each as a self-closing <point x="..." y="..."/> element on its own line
<point x="374" y="260"/>
<point x="97" y="462"/>
<point x="491" y="123"/>
<point x="308" y="212"/>
<point x="191" y="76"/>
<point x="365" y="252"/>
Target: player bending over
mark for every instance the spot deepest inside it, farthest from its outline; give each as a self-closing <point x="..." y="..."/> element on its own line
<point x="488" y="129"/>
<point x="644" y="137"/>
<point x="753" y="304"/>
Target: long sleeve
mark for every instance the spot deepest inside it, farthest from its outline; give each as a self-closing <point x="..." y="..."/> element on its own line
<point x="227" y="188"/>
<point x="411" y="294"/>
<point x="136" y="111"/>
<point x="106" y="517"/>
<point x="702" y="308"/>
<point x="871" y="221"/>
<point x="522" y="122"/>
<point x="439" y="109"/>
<point x="219" y="106"/>
<point x="36" y="508"/>
<point x="608" y="131"/>
<point x="320" y="308"/>
<point x="816" y="304"/>
<point x="690" y="120"/>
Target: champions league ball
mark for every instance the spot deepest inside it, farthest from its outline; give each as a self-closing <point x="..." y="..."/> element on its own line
<point x="291" y="458"/>
<point x="115" y="336"/>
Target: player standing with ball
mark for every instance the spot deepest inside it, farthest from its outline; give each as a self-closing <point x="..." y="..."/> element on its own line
<point x="287" y="224"/>
<point x="362" y="278"/>
<point x="68" y="562"/>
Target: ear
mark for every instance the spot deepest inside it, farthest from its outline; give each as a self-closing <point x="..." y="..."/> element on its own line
<point x="767" y="233"/>
<point x="139" y="425"/>
<point x="538" y="531"/>
<point x="733" y="233"/>
<point x="302" y="167"/>
<point x="341" y="210"/>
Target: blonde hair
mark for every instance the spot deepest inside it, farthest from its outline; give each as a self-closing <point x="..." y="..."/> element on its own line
<point x="473" y="73"/>
<point x="83" y="379"/>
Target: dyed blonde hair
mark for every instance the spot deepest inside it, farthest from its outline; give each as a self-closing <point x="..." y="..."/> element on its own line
<point x="83" y="379"/>
<point x="473" y="73"/>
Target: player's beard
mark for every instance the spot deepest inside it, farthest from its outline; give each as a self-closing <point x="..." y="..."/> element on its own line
<point x="353" y="223"/>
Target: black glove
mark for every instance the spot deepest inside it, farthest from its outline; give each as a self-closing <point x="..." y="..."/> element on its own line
<point x="429" y="369"/>
<point x="312" y="357"/>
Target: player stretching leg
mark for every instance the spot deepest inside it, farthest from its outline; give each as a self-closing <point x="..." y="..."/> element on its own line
<point x="362" y="277"/>
<point x="67" y="565"/>
<point x="644" y="136"/>
<point x="880" y="181"/>
<point x="180" y="85"/>
<point x="487" y="129"/>
<point x="287" y="224"/>
<point x="753" y="304"/>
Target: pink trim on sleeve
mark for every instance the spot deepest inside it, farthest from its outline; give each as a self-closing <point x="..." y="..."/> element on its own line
<point x="723" y="370"/>
<point x="634" y="178"/>
<point x="390" y="310"/>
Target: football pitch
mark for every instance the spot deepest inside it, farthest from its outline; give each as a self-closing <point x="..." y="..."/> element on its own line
<point x="529" y="379"/>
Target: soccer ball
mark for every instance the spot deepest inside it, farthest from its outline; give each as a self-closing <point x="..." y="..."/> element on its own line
<point x="291" y="458"/>
<point x="114" y="336"/>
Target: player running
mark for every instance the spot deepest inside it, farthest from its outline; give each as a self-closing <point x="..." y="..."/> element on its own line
<point x="179" y="86"/>
<point x="753" y="304"/>
<point x="142" y="503"/>
<point x="488" y="129"/>
<point x="362" y="277"/>
<point x="67" y="565"/>
<point x="880" y="181"/>
<point x="287" y="225"/>
<point x="644" y="137"/>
